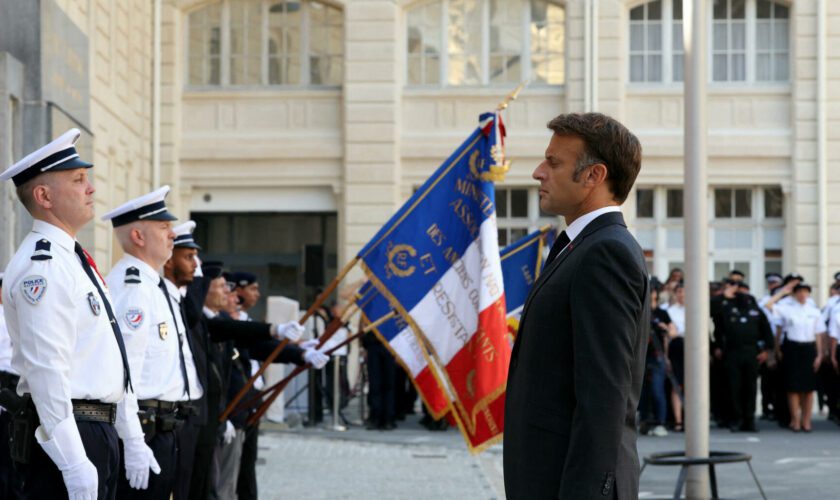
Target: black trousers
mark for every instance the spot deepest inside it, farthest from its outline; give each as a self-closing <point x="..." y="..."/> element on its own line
<point x="381" y="373"/>
<point x="11" y="481"/>
<point x="43" y="480"/>
<point x="165" y="447"/>
<point x="205" y="447"/>
<point x="246" y="486"/>
<point x="187" y="442"/>
<point x="742" y="371"/>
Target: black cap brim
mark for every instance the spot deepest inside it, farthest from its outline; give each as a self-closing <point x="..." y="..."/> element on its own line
<point x="188" y="245"/>
<point x="166" y="215"/>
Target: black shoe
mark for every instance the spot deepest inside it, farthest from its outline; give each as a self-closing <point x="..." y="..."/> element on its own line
<point x="371" y="425"/>
<point x="748" y="427"/>
<point x="389" y="426"/>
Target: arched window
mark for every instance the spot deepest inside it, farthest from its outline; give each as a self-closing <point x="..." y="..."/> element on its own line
<point x="266" y="42"/>
<point x="749" y="41"/>
<point x="481" y="42"/>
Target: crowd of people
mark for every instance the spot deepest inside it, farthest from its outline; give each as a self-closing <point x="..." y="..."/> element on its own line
<point x="782" y="343"/>
<point x="114" y="387"/>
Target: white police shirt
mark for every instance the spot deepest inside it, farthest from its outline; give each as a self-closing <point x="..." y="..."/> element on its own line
<point x="829" y="306"/>
<point x="63" y="344"/>
<point x="801" y="322"/>
<point x="5" y="346"/>
<point x="148" y="328"/>
<point x="834" y="322"/>
<point x="175" y="297"/>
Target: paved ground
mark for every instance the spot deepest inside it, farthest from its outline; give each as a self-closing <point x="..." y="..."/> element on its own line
<point x="414" y="463"/>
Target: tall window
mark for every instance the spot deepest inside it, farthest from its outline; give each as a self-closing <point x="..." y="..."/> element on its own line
<point x="481" y="42"/>
<point x="265" y="42"/>
<point x="746" y="230"/>
<point x="518" y="213"/>
<point x="749" y="41"/>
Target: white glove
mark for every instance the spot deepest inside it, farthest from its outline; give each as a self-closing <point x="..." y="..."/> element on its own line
<point x="139" y="458"/>
<point x="309" y="344"/>
<point x="66" y="450"/>
<point x="315" y="358"/>
<point x="230" y="433"/>
<point x="291" y="331"/>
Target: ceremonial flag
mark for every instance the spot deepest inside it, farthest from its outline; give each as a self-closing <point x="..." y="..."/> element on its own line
<point x="521" y="266"/>
<point x="437" y="262"/>
<point x="406" y="347"/>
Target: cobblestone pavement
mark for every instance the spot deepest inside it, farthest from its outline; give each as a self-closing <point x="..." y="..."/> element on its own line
<point x="412" y="463"/>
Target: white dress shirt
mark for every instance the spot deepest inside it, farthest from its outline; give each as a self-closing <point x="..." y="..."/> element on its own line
<point x="63" y="344"/>
<point x="834" y="322"/>
<point x="578" y="225"/>
<point x="150" y="333"/>
<point x="677" y="314"/>
<point x="801" y="322"/>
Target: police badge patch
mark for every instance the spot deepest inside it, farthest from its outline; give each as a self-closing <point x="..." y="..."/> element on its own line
<point x="134" y="317"/>
<point x="95" y="307"/>
<point x="34" y="288"/>
<point x="163" y="330"/>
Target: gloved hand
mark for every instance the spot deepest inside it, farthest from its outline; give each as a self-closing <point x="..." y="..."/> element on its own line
<point x="230" y="433"/>
<point x="309" y="344"/>
<point x="66" y="450"/>
<point x="315" y="358"/>
<point x="139" y="458"/>
<point x="290" y="331"/>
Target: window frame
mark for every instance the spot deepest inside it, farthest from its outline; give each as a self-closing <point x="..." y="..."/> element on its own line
<point x="225" y="50"/>
<point x="484" y="57"/>
<point x="668" y="51"/>
<point x="533" y="221"/>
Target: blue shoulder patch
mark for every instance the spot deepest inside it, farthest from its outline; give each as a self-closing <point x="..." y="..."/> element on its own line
<point x="42" y="250"/>
<point x="132" y="276"/>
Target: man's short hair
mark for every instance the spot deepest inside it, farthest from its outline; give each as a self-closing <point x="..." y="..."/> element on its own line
<point x="24" y="193"/>
<point x="605" y="141"/>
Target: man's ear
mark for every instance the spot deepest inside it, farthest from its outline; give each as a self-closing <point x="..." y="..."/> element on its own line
<point x="42" y="196"/>
<point x="138" y="237"/>
<point x="596" y="174"/>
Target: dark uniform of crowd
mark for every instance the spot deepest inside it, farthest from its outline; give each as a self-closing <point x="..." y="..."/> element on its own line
<point x="782" y="341"/>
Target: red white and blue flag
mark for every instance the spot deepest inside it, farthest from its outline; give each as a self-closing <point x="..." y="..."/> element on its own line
<point x="437" y="263"/>
<point x="521" y="265"/>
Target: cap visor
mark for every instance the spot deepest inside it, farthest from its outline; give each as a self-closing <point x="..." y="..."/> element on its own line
<point x="166" y="215"/>
<point x="72" y="165"/>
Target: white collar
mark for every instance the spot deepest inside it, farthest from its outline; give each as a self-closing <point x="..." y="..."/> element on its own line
<point x="54" y="234"/>
<point x="209" y="312"/>
<point x="143" y="267"/>
<point x="173" y="290"/>
<point x="579" y="224"/>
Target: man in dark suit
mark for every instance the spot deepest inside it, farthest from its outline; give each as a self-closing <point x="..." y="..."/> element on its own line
<point x="577" y="365"/>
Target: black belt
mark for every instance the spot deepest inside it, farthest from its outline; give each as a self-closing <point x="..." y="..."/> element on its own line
<point x="8" y="380"/>
<point x="87" y="410"/>
<point x="180" y="408"/>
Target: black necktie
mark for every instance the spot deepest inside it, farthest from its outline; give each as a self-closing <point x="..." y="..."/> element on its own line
<point x="558" y="246"/>
<point x="163" y="289"/>
<point x="86" y="265"/>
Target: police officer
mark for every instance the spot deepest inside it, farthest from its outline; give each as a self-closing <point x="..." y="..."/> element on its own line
<point x="158" y="350"/>
<point x="743" y="339"/>
<point x="75" y="380"/>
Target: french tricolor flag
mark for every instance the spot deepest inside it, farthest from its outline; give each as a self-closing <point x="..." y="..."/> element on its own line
<point x="437" y="263"/>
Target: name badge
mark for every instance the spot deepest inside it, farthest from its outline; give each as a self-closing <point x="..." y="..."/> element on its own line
<point x="93" y="302"/>
<point x="163" y="330"/>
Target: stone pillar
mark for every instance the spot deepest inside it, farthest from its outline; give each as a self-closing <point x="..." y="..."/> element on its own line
<point x="372" y="122"/>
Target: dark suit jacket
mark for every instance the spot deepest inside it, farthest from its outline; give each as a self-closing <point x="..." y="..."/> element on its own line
<point x="576" y="371"/>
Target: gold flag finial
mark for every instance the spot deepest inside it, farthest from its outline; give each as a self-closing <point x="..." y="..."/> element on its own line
<point x="511" y="97"/>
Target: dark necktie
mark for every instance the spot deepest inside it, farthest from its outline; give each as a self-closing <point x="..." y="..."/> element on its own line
<point x="163" y="289"/>
<point x="558" y="246"/>
<point x="87" y="265"/>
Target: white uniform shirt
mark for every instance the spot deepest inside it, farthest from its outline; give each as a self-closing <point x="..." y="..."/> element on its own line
<point x="149" y="331"/>
<point x="801" y="322"/>
<point x="5" y="346"/>
<point x="677" y="314"/>
<point x="834" y="322"/>
<point x="829" y="305"/>
<point x="63" y="344"/>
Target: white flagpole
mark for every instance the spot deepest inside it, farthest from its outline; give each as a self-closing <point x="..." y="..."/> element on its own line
<point x="696" y="246"/>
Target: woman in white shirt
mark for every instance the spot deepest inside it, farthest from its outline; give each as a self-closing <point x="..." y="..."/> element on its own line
<point x="676" y="351"/>
<point x="799" y="336"/>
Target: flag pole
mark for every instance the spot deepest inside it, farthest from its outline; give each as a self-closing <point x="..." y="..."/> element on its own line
<point x="511" y="97"/>
<point x="276" y="352"/>
<point x="696" y="247"/>
<point x="279" y="387"/>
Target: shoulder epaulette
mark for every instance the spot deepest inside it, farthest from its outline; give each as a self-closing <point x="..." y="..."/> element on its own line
<point x="132" y="275"/>
<point x="42" y="250"/>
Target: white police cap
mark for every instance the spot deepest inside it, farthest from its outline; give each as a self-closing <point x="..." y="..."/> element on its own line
<point x="60" y="154"/>
<point x="184" y="235"/>
<point x="150" y="206"/>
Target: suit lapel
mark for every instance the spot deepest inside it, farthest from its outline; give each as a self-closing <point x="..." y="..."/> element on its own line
<point x="608" y="219"/>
